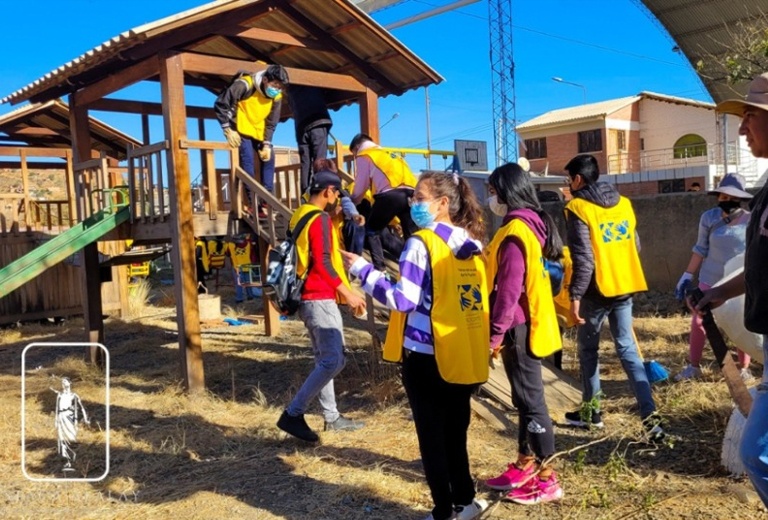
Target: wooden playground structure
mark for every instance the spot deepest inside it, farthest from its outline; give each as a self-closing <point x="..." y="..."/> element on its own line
<point x="325" y="43"/>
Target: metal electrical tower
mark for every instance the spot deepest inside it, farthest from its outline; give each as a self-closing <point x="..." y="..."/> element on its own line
<point x="502" y="80"/>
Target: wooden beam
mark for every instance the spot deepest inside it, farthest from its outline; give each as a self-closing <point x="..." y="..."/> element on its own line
<point x="31" y="130"/>
<point x="369" y="114"/>
<point x="34" y="165"/>
<point x="146" y="108"/>
<point x="183" y="239"/>
<point x="92" y="305"/>
<point x="229" y="67"/>
<point x="128" y="76"/>
<point x="265" y="35"/>
<point x="322" y="34"/>
<point x="10" y="151"/>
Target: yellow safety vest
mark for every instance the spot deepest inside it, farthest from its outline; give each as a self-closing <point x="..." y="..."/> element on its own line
<point x="216" y="255"/>
<point x="240" y="255"/>
<point x="203" y="253"/>
<point x="563" y="298"/>
<point x="459" y="315"/>
<point x="392" y="165"/>
<point x="252" y="112"/>
<point x="302" y="245"/>
<point x="544" y="331"/>
<point x="612" y="233"/>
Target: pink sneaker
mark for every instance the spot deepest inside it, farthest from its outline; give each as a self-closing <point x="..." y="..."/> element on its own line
<point x="537" y="491"/>
<point x="513" y="478"/>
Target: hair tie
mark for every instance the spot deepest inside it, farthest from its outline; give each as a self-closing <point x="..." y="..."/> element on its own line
<point x="456" y="178"/>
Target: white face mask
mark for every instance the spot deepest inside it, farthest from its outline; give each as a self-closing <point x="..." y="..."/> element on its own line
<point x="496" y="207"/>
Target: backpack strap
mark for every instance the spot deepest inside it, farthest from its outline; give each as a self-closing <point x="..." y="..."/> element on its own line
<point x="296" y="231"/>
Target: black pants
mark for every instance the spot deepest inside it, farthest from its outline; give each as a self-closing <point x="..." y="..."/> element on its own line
<point x="313" y="144"/>
<point x="524" y="372"/>
<point x="386" y="206"/>
<point x="441" y="414"/>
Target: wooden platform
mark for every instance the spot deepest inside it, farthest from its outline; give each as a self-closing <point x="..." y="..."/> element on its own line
<point x="562" y="392"/>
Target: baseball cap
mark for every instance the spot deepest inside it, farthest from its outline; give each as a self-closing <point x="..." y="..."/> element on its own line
<point x="756" y="97"/>
<point x="325" y="178"/>
<point x="733" y="185"/>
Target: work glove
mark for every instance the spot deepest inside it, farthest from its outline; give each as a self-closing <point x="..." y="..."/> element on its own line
<point x="683" y="285"/>
<point x="233" y="138"/>
<point x="265" y="152"/>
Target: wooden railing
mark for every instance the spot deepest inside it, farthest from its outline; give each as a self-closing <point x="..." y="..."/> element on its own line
<point x="278" y="215"/>
<point x="52" y="215"/>
<point x="212" y="192"/>
<point x="92" y="186"/>
<point x="288" y="185"/>
<point x="147" y="183"/>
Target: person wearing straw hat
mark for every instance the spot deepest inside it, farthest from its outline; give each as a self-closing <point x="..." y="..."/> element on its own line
<point x="722" y="236"/>
<point x="752" y="282"/>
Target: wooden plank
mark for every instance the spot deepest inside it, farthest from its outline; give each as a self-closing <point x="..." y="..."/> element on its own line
<point x="369" y="114"/>
<point x="25" y="186"/>
<point x="229" y="67"/>
<point x="92" y="304"/>
<point x="204" y="145"/>
<point x="271" y="316"/>
<point x="114" y="82"/>
<point x="491" y="414"/>
<point x="183" y="240"/>
<point x="15" y="151"/>
<point x="265" y="35"/>
<point x="146" y="108"/>
<point x="212" y="190"/>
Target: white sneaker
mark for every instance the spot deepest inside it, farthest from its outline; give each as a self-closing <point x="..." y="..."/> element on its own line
<point x="746" y="375"/>
<point x="472" y="510"/>
<point x="689" y="372"/>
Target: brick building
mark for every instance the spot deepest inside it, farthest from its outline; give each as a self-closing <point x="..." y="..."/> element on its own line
<point x="647" y="144"/>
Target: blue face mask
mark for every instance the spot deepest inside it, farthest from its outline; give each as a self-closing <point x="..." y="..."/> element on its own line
<point x="421" y="215"/>
<point x="272" y="92"/>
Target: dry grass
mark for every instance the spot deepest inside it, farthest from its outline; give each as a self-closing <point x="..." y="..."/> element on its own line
<point x="219" y="455"/>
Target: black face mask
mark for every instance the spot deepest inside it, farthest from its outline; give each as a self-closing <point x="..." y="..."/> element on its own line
<point x="729" y="206"/>
<point x="331" y="207"/>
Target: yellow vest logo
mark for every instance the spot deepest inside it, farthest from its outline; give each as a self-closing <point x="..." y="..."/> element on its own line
<point x="615" y="231"/>
<point x="470" y="297"/>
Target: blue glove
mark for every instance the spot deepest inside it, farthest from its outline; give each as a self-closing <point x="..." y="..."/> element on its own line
<point x="683" y="285"/>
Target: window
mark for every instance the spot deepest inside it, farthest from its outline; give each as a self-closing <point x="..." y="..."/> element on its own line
<point x="690" y="145"/>
<point x="590" y="141"/>
<point x="621" y="140"/>
<point x="672" y="186"/>
<point x="536" y="148"/>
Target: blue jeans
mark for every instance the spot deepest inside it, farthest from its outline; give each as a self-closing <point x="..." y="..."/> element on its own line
<point x="250" y="291"/>
<point x="754" y="440"/>
<point x="326" y="333"/>
<point x="247" y="149"/>
<point x="619" y="313"/>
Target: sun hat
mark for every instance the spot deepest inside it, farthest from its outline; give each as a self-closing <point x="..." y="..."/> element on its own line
<point x="756" y="97"/>
<point x="733" y="185"/>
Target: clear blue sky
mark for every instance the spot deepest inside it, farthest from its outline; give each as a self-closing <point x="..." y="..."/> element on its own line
<point x="610" y="46"/>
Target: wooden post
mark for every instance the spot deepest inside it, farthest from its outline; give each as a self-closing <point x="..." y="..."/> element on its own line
<point x="183" y="233"/>
<point x="25" y="188"/>
<point x="70" y="173"/>
<point x="79" y="126"/>
<point x="271" y="316"/>
<point x="369" y="114"/>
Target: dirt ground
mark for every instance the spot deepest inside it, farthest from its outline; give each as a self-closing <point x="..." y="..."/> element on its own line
<point x="219" y="455"/>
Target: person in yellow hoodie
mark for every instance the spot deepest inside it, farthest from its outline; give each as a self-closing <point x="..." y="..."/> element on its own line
<point x="325" y="286"/>
<point x="439" y="330"/>
<point x="391" y="183"/>
<point x="248" y="111"/>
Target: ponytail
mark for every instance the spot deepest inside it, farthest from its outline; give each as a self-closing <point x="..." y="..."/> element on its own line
<point x="463" y="207"/>
<point x="553" y="245"/>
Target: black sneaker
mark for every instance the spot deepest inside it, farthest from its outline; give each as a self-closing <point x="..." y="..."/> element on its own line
<point x="653" y="427"/>
<point x="344" y="424"/>
<point x="582" y="420"/>
<point x="297" y="427"/>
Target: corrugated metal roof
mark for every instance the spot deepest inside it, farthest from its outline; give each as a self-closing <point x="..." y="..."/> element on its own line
<point x="54" y="116"/>
<point x="578" y="113"/>
<point x="322" y="35"/>
<point x="677" y="100"/>
<point x="705" y="27"/>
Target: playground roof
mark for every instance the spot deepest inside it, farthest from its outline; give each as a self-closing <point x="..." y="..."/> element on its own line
<point x="705" y="27"/>
<point x="330" y="36"/>
<point x="46" y="125"/>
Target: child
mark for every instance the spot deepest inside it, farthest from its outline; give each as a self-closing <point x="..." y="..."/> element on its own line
<point x="524" y="326"/>
<point x="326" y="283"/>
<point x="439" y="330"/>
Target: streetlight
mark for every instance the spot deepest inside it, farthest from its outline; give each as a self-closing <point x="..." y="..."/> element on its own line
<point x="582" y="87"/>
<point x="394" y="116"/>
